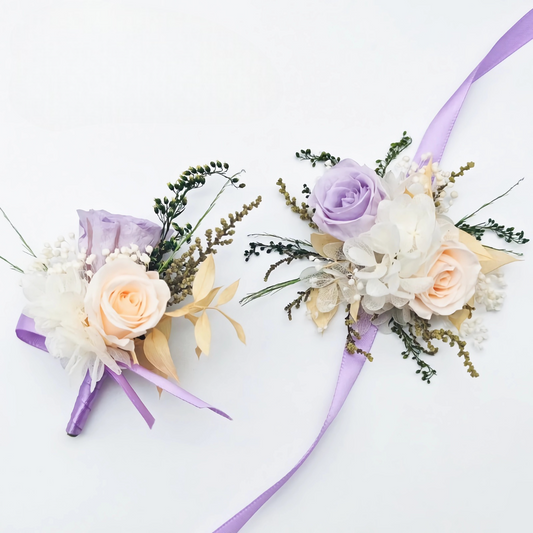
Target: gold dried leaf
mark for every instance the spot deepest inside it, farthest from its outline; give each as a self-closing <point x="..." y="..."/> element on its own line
<point x="319" y="240"/>
<point x="198" y="352"/>
<point x="238" y="328"/>
<point x="140" y="359"/>
<point x="182" y="311"/>
<point x="204" y="279"/>
<point x="474" y="246"/>
<point x="165" y="326"/>
<point x="158" y="353"/>
<point x="320" y="319"/>
<point x="202" y="333"/>
<point x="228" y="293"/>
<point x="498" y="259"/>
<point x="354" y="309"/>
<point x="460" y="316"/>
<point x="192" y="318"/>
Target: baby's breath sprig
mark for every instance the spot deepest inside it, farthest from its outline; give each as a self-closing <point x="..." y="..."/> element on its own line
<point x="394" y="151"/>
<point x="352" y="337"/>
<point x="168" y="210"/>
<point x="302" y="297"/>
<point x="324" y="157"/>
<point x="305" y="212"/>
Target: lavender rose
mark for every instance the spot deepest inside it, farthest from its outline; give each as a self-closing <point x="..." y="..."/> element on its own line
<point x="346" y="199"/>
<point x="100" y="230"/>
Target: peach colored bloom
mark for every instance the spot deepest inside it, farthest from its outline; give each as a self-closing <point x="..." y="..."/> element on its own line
<point x="455" y="270"/>
<point x="124" y="301"/>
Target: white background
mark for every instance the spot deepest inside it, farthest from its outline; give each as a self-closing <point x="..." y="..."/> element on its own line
<point x="103" y="103"/>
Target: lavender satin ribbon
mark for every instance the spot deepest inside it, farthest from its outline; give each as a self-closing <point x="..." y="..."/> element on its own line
<point x="351" y="365"/>
<point x="434" y="141"/>
<point x="438" y="132"/>
<point x="26" y="332"/>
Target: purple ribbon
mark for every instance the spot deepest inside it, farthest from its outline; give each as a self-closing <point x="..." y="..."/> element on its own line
<point x="26" y="332"/>
<point x="351" y="365"/>
<point x="438" y="133"/>
<point x="434" y="141"/>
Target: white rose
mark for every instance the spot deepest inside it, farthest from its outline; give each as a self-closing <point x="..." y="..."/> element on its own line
<point x="124" y="301"/>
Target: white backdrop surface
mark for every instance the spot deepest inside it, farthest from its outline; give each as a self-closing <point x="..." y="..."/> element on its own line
<point x="104" y="102"/>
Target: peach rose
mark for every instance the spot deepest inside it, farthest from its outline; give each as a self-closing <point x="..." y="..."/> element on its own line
<point x="123" y="302"/>
<point x="454" y="269"/>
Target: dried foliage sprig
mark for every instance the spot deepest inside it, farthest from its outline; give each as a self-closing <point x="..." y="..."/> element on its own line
<point x="422" y="329"/>
<point x="293" y="249"/>
<point x="180" y="272"/>
<point x="507" y="234"/>
<point x="324" y="157"/>
<point x="413" y="349"/>
<point x="354" y="336"/>
<point x="303" y="209"/>
<point x="394" y="151"/>
<point x="168" y="210"/>
<point x="451" y="179"/>
<point x="302" y="297"/>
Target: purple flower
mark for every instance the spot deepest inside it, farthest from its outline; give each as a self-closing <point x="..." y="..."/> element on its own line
<point x="100" y="230"/>
<point x="346" y="199"/>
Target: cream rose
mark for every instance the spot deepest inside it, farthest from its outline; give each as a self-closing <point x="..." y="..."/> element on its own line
<point x="123" y="302"/>
<point x="454" y="269"/>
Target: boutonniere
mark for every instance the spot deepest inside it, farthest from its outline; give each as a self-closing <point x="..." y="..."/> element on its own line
<point x="104" y="304"/>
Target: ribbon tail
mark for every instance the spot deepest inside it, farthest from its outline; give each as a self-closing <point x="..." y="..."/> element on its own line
<point x="351" y="366"/>
<point x="175" y="390"/>
<point x="132" y="395"/>
<point x="83" y="406"/>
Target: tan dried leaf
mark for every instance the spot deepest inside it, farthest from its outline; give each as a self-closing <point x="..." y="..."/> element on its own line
<point x="460" y="316"/>
<point x="158" y="353"/>
<point x="143" y="361"/>
<point x="498" y="259"/>
<point x="238" y="328"/>
<point x="228" y="293"/>
<point x="165" y="326"/>
<point x="202" y="333"/>
<point x="204" y="279"/>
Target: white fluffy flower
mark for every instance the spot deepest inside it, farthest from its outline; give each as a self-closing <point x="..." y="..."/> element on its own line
<point x="394" y="250"/>
<point x="56" y="304"/>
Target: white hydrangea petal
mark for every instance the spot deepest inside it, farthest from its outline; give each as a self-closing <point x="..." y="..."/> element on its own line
<point x="385" y="238"/>
<point x="359" y="254"/>
<point x="371" y="304"/>
<point x="416" y="285"/>
<point x="376" y="288"/>
<point x="378" y="272"/>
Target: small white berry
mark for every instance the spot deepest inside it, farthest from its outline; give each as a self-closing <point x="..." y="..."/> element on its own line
<point x="105" y="252"/>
